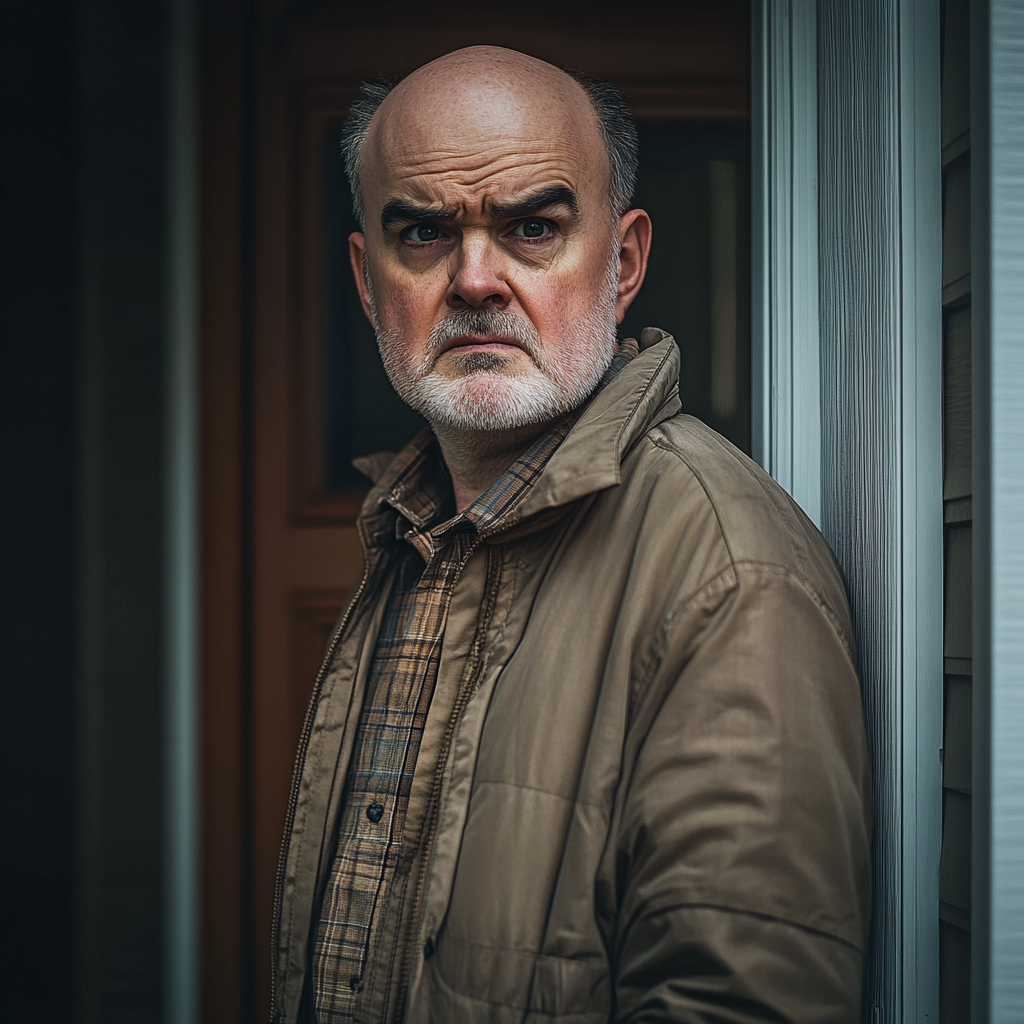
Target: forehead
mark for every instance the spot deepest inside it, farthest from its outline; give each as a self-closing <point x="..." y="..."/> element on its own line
<point x="472" y="136"/>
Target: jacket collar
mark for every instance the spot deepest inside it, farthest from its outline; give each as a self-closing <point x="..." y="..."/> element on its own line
<point x="641" y="395"/>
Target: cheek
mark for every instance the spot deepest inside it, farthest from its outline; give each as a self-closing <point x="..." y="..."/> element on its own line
<point x="556" y="299"/>
<point x="410" y="305"/>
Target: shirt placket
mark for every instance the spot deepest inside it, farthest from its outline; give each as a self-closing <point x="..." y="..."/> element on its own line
<point x="372" y="831"/>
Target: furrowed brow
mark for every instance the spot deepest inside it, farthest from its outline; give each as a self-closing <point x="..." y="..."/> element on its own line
<point x="557" y="195"/>
<point x="398" y="212"/>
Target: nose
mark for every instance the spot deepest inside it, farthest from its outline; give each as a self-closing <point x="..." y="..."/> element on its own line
<point x="478" y="280"/>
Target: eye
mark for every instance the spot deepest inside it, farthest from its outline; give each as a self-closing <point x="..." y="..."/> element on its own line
<point x="532" y="228"/>
<point x="423" y="233"/>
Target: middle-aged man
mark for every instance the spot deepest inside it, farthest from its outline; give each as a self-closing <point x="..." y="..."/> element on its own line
<point x="588" y="742"/>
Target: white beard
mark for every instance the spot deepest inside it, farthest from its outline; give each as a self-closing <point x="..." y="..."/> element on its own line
<point x="489" y="393"/>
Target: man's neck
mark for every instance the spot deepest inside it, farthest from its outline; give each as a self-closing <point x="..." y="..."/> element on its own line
<point x="475" y="460"/>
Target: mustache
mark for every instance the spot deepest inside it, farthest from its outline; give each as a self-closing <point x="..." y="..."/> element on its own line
<point x="484" y="323"/>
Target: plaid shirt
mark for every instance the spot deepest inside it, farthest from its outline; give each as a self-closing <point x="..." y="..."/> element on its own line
<point x="398" y="694"/>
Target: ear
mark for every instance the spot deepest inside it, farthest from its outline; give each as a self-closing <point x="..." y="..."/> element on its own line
<point x="634" y="248"/>
<point x="357" y="256"/>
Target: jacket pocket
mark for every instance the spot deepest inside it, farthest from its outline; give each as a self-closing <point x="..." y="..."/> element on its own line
<point x="470" y="982"/>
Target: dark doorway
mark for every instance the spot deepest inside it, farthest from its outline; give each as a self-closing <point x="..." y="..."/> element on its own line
<point x="292" y="383"/>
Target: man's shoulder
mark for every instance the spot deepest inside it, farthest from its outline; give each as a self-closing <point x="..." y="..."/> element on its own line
<point x="696" y="475"/>
<point x="689" y="453"/>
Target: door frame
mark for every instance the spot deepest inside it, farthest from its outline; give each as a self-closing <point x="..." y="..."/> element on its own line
<point x="847" y="363"/>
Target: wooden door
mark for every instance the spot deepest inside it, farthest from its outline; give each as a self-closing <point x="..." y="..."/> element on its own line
<point x="318" y="395"/>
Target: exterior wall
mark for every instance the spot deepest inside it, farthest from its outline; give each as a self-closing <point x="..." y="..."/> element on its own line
<point x="997" y="328"/>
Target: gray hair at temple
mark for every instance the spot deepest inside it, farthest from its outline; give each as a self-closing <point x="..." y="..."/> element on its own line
<point x="617" y="130"/>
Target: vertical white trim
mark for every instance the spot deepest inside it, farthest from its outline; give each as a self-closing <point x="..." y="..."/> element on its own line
<point x="997" y="157"/>
<point x="181" y="934"/>
<point x="921" y="491"/>
<point x="786" y="423"/>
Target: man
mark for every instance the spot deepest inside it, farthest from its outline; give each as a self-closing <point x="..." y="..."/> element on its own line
<point x="588" y="742"/>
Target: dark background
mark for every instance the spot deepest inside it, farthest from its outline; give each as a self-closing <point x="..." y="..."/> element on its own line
<point x="80" y="414"/>
<point x="38" y="358"/>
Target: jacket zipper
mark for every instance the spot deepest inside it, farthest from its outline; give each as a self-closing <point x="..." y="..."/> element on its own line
<point x="300" y="760"/>
<point x="472" y="682"/>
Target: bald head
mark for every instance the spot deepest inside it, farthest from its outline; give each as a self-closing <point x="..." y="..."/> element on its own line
<point x="489" y="94"/>
<point x="481" y="81"/>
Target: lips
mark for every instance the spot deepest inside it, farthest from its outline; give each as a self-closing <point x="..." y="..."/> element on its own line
<point x="479" y="343"/>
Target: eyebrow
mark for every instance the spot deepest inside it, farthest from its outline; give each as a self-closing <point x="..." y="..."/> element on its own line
<point x="556" y="195"/>
<point x="397" y="211"/>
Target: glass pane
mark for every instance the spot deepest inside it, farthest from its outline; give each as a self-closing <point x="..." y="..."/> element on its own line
<point x="695" y="185"/>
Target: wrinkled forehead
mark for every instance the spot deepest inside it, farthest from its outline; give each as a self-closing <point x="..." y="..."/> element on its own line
<point x="466" y="125"/>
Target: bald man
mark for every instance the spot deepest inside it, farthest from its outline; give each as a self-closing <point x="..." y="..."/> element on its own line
<point x="587" y="744"/>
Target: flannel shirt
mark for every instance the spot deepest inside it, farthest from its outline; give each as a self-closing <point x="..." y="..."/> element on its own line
<point x="398" y="694"/>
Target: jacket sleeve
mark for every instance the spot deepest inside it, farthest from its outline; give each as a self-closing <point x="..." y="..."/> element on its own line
<point x="742" y="856"/>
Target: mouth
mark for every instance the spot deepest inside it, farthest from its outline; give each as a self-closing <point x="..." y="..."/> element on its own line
<point x="475" y="343"/>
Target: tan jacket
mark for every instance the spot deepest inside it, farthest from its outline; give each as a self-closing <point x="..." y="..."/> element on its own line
<point x="643" y="788"/>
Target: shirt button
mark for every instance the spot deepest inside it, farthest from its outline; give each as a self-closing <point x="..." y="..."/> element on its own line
<point x="375" y="812"/>
<point x="428" y="949"/>
<point x="355" y="983"/>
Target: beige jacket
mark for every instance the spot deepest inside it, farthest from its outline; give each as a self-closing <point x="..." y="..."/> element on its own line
<point x="643" y="788"/>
